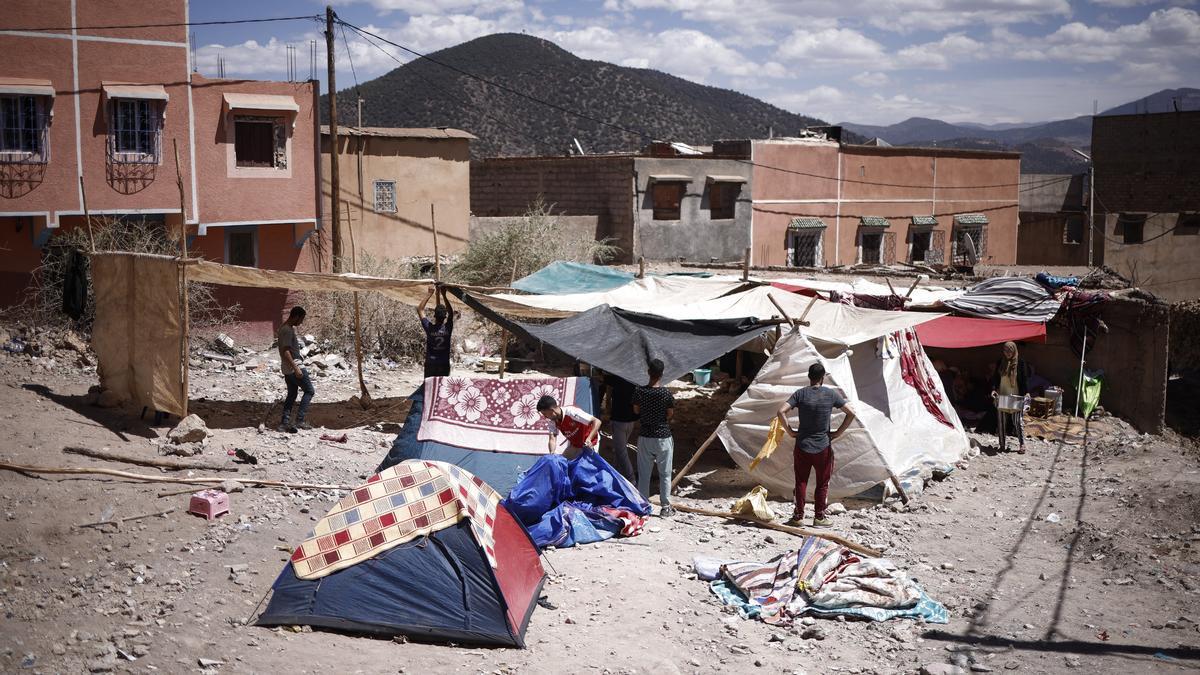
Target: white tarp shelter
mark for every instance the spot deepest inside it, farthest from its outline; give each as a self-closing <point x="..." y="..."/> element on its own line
<point x="894" y="432"/>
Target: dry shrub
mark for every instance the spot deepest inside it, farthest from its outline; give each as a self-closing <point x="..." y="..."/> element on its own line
<point x="41" y="305"/>
<point x="389" y="328"/>
<point x="524" y="245"/>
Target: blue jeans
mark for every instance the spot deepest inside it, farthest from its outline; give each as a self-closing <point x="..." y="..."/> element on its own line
<point x="655" y="452"/>
<point x="296" y="382"/>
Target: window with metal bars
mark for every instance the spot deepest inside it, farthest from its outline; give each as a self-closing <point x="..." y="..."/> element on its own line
<point x="135" y="134"/>
<point x="22" y="129"/>
<point x="385" y="196"/>
<point x="805" y="248"/>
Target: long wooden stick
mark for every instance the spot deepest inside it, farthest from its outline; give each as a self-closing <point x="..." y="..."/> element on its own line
<point x="779" y="307"/>
<point x="75" y="470"/>
<point x="173" y="464"/>
<point x="798" y="531"/>
<point x="129" y="519"/>
<point x="364" y="397"/>
<point x="512" y="277"/>
<point x="807" y="309"/>
<point x="912" y="288"/>
<point x="87" y="216"/>
<point x="185" y="327"/>
<point x="437" y="257"/>
<point x="695" y="458"/>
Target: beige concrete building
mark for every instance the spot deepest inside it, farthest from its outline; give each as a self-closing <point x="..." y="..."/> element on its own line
<point x="390" y="178"/>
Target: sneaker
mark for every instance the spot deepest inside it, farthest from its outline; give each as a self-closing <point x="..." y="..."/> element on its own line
<point x="304" y="426"/>
<point x="822" y="522"/>
<point x="794" y="521"/>
<point x="286" y="428"/>
<point x="666" y="512"/>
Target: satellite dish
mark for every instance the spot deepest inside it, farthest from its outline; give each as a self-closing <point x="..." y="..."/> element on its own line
<point x="969" y="250"/>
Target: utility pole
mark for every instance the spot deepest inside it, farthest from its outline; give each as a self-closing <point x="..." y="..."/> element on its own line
<point x="335" y="182"/>
<point x="1091" y="211"/>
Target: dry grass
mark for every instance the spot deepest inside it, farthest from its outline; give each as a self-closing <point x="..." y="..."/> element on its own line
<point x="524" y="245"/>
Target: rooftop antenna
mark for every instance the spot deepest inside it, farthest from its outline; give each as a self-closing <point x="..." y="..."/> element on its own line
<point x="220" y="65"/>
<point x="312" y="59"/>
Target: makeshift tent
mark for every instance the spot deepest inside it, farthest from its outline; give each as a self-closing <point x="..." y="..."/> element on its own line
<point x="561" y="277"/>
<point x="567" y="502"/>
<point x="957" y="332"/>
<point x="641" y="295"/>
<point x="895" y="432"/>
<point x="623" y="343"/>
<point x="922" y="297"/>
<point x="827" y="321"/>
<point x="433" y="554"/>
<point x="496" y="451"/>
<point x="1015" y="298"/>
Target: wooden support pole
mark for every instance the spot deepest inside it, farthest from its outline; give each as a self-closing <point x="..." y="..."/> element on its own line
<point x="87" y="216"/>
<point x="807" y="308"/>
<point x="364" y="396"/>
<point x="437" y="257"/>
<point x="335" y="179"/>
<point x="185" y="324"/>
<point x="211" y="480"/>
<point x="512" y="277"/>
<point x="913" y="287"/>
<point x="899" y="488"/>
<point x="695" y="458"/>
<point x="739" y="368"/>
<point x="641" y="267"/>
<point x="183" y="253"/>
<point x="746" y="265"/>
<point x="891" y="288"/>
<point x="798" y="531"/>
<point x="779" y="307"/>
<point x="172" y="464"/>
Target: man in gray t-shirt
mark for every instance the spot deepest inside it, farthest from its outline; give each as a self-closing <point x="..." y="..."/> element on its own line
<point x="814" y="404"/>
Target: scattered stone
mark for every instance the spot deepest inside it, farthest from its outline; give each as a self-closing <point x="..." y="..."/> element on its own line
<point x="58" y="649"/>
<point x="1072" y="661"/>
<point x="209" y="663"/>
<point x="980" y="668"/>
<point x="948" y="566"/>
<point x="181" y="450"/>
<point x="231" y="486"/>
<point x="739" y="649"/>
<point x="813" y="633"/>
<point x="835" y="509"/>
<point x="190" y="429"/>
<point x="1053" y="518"/>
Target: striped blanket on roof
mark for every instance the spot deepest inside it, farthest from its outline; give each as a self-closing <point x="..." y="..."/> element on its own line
<point x="773" y="586"/>
<point x="1016" y="298"/>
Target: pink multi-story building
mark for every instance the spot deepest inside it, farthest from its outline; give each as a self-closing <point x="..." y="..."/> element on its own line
<point x="110" y="106"/>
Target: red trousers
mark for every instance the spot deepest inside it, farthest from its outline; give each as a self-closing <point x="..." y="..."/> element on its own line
<point x="822" y="463"/>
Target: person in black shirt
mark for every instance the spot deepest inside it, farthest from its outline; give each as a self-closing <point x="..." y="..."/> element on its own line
<point x="437" y="334"/>
<point x="655" y="405"/>
<point x="621" y="420"/>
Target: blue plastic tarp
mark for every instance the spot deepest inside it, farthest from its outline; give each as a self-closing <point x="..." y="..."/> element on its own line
<point x="560" y="278"/>
<point x="558" y="500"/>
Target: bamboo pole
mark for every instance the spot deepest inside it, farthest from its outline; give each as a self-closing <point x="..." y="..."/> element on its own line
<point x="780" y="308"/>
<point x="798" y="531"/>
<point x="175" y="465"/>
<point x="87" y="216"/>
<point x="437" y="257"/>
<point x="75" y="470"/>
<point x="695" y="458"/>
<point x="119" y="521"/>
<point x="512" y="277"/>
<point x="364" y="397"/>
<point x="807" y="309"/>
<point x="891" y="288"/>
<point x="913" y="287"/>
<point x="184" y="311"/>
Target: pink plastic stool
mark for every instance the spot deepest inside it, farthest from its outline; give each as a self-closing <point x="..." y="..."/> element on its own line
<point x="209" y="503"/>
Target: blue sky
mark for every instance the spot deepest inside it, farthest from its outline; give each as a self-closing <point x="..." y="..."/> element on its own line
<point x="864" y="61"/>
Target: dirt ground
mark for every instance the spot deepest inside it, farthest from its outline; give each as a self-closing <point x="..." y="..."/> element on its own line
<point x="1071" y="557"/>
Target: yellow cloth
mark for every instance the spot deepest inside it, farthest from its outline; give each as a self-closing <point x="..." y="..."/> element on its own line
<point x="754" y="504"/>
<point x="774" y="435"/>
<point x="1008" y="383"/>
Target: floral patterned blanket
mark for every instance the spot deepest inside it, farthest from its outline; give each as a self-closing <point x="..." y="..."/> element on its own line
<point x="490" y="414"/>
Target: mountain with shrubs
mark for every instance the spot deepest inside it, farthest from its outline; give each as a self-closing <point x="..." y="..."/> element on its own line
<point x="653" y="104"/>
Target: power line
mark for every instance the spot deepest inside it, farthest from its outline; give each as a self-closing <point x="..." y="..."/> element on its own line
<point x="645" y="135"/>
<point x="172" y="25"/>
<point x="350" y="56"/>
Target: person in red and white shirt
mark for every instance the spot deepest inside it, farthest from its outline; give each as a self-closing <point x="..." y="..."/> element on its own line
<point x="581" y="429"/>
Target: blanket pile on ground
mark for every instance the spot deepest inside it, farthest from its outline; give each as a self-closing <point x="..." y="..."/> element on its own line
<point x="567" y="502"/>
<point x="821" y="578"/>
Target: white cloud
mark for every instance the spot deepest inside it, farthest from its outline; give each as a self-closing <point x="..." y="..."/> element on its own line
<point x="1164" y="36"/>
<point x="870" y="79"/>
<point x="687" y="53"/>
<point x="941" y="54"/>
<point x="830" y="46"/>
<point x="419" y="7"/>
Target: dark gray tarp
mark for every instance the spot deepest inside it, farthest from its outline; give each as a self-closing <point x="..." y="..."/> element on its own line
<point x="623" y="343"/>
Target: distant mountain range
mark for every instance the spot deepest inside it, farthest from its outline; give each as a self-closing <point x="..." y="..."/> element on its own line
<point x="1046" y="146"/>
<point x="664" y="107"/>
<point x="652" y="105"/>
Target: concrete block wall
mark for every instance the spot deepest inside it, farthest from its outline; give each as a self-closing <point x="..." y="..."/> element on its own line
<point x="572" y="186"/>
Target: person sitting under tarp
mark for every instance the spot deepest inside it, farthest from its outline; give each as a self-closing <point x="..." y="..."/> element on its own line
<point x="564" y="502"/>
<point x="580" y="429"/>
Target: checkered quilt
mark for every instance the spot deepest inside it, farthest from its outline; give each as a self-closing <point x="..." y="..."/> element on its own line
<point x="489" y="414"/>
<point x="409" y="500"/>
